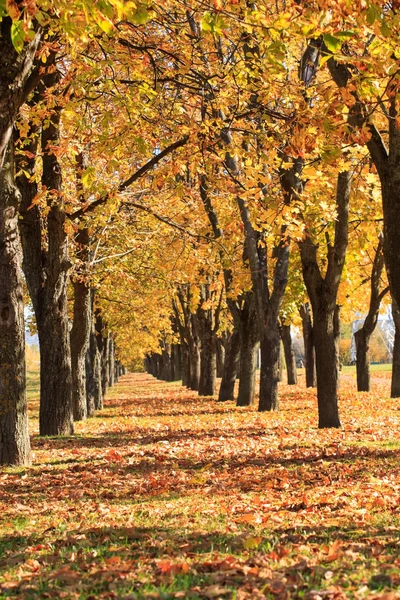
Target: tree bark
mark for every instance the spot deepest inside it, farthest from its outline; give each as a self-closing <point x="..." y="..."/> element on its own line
<point x="231" y="366"/>
<point x="309" y="348"/>
<point x="290" y="359"/>
<point x="14" y="436"/>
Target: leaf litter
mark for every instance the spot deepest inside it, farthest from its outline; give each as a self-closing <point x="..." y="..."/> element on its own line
<point x="167" y="495"/>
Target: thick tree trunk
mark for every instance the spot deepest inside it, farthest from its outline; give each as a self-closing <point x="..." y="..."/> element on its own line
<point x="269" y="372"/>
<point x="52" y="307"/>
<point x="208" y="370"/>
<point x="362" y="360"/>
<point x="326" y="338"/>
<point x="290" y="359"/>
<point x="395" y="387"/>
<point x="46" y="265"/>
<point x="309" y="349"/>
<point x="14" y="436"/>
<point x="231" y="367"/>
<point x="80" y="335"/>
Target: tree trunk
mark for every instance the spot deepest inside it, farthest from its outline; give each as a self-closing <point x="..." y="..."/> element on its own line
<point x="290" y="359"/>
<point x="395" y="387"/>
<point x="80" y="335"/>
<point x="176" y="362"/>
<point x="93" y="369"/>
<point x="194" y="362"/>
<point x="269" y="372"/>
<point x="362" y="336"/>
<point x="309" y="349"/>
<point x="82" y="310"/>
<point x="362" y="360"/>
<point x="231" y="367"/>
<point x="52" y="306"/>
<point x="102" y="345"/>
<point x="14" y="436"/>
<point x="46" y="265"/>
<point x="326" y="338"/>
<point x="111" y="361"/>
<point x="220" y="357"/>
<point x="248" y="353"/>
<point x="185" y="366"/>
<point x="208" y="371"/>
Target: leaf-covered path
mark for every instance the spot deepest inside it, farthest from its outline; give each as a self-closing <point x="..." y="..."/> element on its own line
<point x="167" y="495"/>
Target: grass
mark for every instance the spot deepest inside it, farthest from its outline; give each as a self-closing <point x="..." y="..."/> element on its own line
<point x="165" y="495"/>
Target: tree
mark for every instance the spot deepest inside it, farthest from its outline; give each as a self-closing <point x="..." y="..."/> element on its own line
<point x="17" y="77"/>
<point x="363" y="335"/>
<point x="323" y="290"/>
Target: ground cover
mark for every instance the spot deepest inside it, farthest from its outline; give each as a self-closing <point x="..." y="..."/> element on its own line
<point x="167" y="495"/>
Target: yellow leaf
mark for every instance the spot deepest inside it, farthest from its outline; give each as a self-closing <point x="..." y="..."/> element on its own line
<point x="252" y="542"/>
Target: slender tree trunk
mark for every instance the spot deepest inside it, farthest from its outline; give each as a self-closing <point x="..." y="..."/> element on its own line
<point x="80" y="335"/>
<point x="269" y="373"/>
<point x="362" y="340"/>
<point x="290" y="359"/>
<point x="362" y="336"/>
<point x="14" y="436"/>
<point x="111" y="361"/>
<point x="208" y="372"/>
<point x="102" y="344"/>
<point x="93" y="369"/>
<point x="395" y="387"/>
<point x="220" y="357"/>
<point x="82" y="310"/>
<point x="249" y="335"/>
<point x="231" y="367"/>
<point x="309" y="349"/>
<point x="326" y="338"/>
<point x="185" y="366"/>
<point x="194" y="361"/>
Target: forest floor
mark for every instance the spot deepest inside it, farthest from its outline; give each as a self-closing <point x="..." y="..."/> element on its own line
<point x="167" y="495"/>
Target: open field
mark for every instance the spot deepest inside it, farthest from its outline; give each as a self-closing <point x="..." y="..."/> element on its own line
<point x="167" y="495"/>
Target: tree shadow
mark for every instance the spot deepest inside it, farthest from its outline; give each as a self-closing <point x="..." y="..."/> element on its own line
<point x="119" y="554"/>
